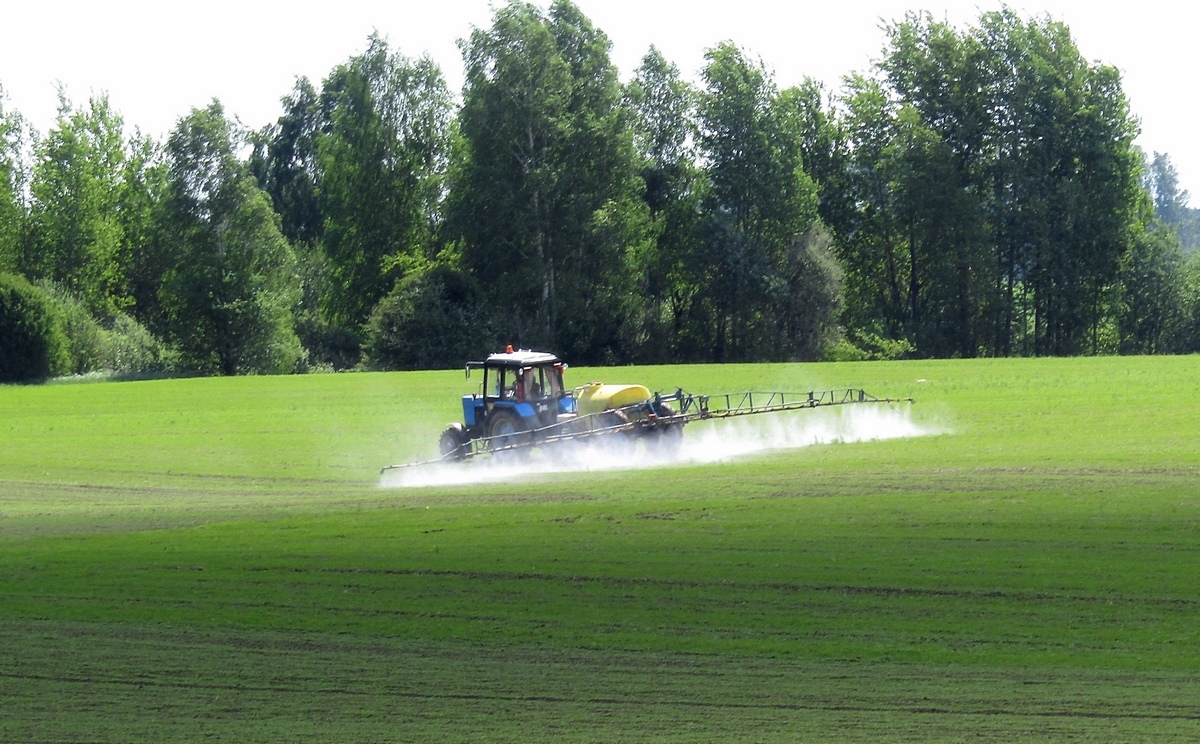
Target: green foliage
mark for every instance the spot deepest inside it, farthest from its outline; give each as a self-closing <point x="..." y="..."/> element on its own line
<point x="1152" y="305"/>
<point x="229" y="293"/>
<point x="285" y="164"/>
<point x="78" y="237"/>
<point x="12" y="184"/>
<point x="545" y="190"/>
<point x="809" y="114"/>
<point x="998" y="188"/>
<point x="328" y="347"/>
<point x="1186" y="290"/>
<point x="381" y="158"/>
<point x="863" y="346"/>
<point x="753" y="159"/>
<point x="117" y="345"/>
<point x="433" y="319"/>
<point x="149" y="234"/>
<point x="806" y="294"/>
<point x="752" y="268"/>
<point x="85" y="339"/>
<point x="979" y="188"/>
<point x="662" y="118"/>
<point x="32" y="345"/>
<point x="130" y="349"/>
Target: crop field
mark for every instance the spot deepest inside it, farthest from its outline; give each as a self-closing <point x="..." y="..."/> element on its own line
<point x="217" y="560"/>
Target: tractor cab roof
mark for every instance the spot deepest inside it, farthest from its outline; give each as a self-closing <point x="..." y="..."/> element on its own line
<point x="516" y="360"/>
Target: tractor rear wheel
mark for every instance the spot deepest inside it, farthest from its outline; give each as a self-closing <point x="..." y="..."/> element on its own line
<point x="507" y="430"/>
<point x="667" y="438"/>
<point x="453" y="443"/>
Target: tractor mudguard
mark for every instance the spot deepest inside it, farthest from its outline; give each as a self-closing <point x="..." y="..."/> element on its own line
<point x="524" y="411"/>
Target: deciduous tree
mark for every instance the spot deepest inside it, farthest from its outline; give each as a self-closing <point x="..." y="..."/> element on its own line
<point x="13" y="179"/>
<point x="758" y="202"/>
<point x="77" y="235"/>
<point x="662" y="107"/>
<point x="229" y="293"/>
<point x="381" y="161"/>
<point x="546" y="199"/>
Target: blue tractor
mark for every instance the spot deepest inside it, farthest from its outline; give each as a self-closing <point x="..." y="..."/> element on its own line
<point x="522" y="404"/>
<point x="522" y="392"/>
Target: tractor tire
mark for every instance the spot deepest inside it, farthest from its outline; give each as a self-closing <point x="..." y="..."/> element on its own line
<point x="507" y="430"/>
<point x="452" y="445"/>
<point x="666" y="439"/>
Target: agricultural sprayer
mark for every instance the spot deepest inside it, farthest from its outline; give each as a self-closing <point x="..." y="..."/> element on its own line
<point x="523" y="404"/>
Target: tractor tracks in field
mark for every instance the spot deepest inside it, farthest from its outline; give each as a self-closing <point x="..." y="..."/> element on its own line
<point x="813" y="704"/>
<point x="740" y="586"/>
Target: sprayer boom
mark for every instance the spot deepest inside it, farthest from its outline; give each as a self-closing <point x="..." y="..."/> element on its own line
<point x="657" y="416"/>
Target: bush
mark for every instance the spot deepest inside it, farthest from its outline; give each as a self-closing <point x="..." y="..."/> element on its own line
<point x="130" y="349"/>
<point x="32" y="345"/>
<point x="84" y="337"/>
<point x="121" y="346"/>
<point x="867" y="346"/>
<point x="435" y="319"/>
<point x="329" y="347"/>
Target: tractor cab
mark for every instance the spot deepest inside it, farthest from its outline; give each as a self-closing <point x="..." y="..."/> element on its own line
<point x="523" y="388"/>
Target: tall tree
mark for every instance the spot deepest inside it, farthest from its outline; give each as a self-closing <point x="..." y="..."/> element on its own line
<point x="13" y="178"/>
<point x="229" y="293"/>
<point x="932" y="165"/>
<point x="758" y="201"/>
<point x="285" y="163"/>
<point x="78" y="240"/>
<point x="995" y="181"/>
<point x="1152" y="311"/>
<point x="662" y="106"/>
<point x="381" y="161"/>
<point x="1162" y="180"/>
<point x="943" y="232"/>
<point x="1171" y="203"/>
<point x="546" y="199"/>
<point x="1067" y="181"/>
<point x="809" y="112"/>
<point x="869" y="237"/>
<point x="143" y="195"/>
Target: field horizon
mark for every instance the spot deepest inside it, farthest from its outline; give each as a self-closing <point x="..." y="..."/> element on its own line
<point x="210" y="558"/>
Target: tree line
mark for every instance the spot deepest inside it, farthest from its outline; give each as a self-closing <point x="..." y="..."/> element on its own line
<point x="976" y="192"/>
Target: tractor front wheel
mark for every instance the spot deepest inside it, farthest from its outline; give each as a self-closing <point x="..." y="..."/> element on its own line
<point x="453" y="443"/>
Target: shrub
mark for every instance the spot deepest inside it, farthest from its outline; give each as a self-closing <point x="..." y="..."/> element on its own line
<point x="329" y="347"/>
<point x="131" y="349"/>
<point x="864" y="346"/>
<point x="432" y="320"/>
<point x="84" y="337"/>
<point x="32" y="345"/>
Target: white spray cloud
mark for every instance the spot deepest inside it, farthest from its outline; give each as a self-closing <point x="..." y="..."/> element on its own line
<point x="702" y="442"/>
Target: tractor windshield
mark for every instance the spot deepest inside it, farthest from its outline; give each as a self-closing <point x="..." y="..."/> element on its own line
<point x="542" y="382"/>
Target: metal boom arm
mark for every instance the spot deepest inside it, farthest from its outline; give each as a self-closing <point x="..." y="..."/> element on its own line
<point x="640" y="418"/>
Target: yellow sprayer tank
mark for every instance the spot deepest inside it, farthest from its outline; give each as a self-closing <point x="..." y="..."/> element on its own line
<point x="595" y="397"/>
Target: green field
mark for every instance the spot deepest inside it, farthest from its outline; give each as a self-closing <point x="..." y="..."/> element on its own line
<point x="214" y="559"/>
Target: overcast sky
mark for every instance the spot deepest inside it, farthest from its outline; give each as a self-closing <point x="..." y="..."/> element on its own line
<point x="158" y="60"/>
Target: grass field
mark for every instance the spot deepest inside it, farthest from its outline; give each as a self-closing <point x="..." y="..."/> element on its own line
<point x="214" y="559"/>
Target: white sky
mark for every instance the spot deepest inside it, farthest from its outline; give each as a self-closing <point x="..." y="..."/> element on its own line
<point x="158" y="60"/>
